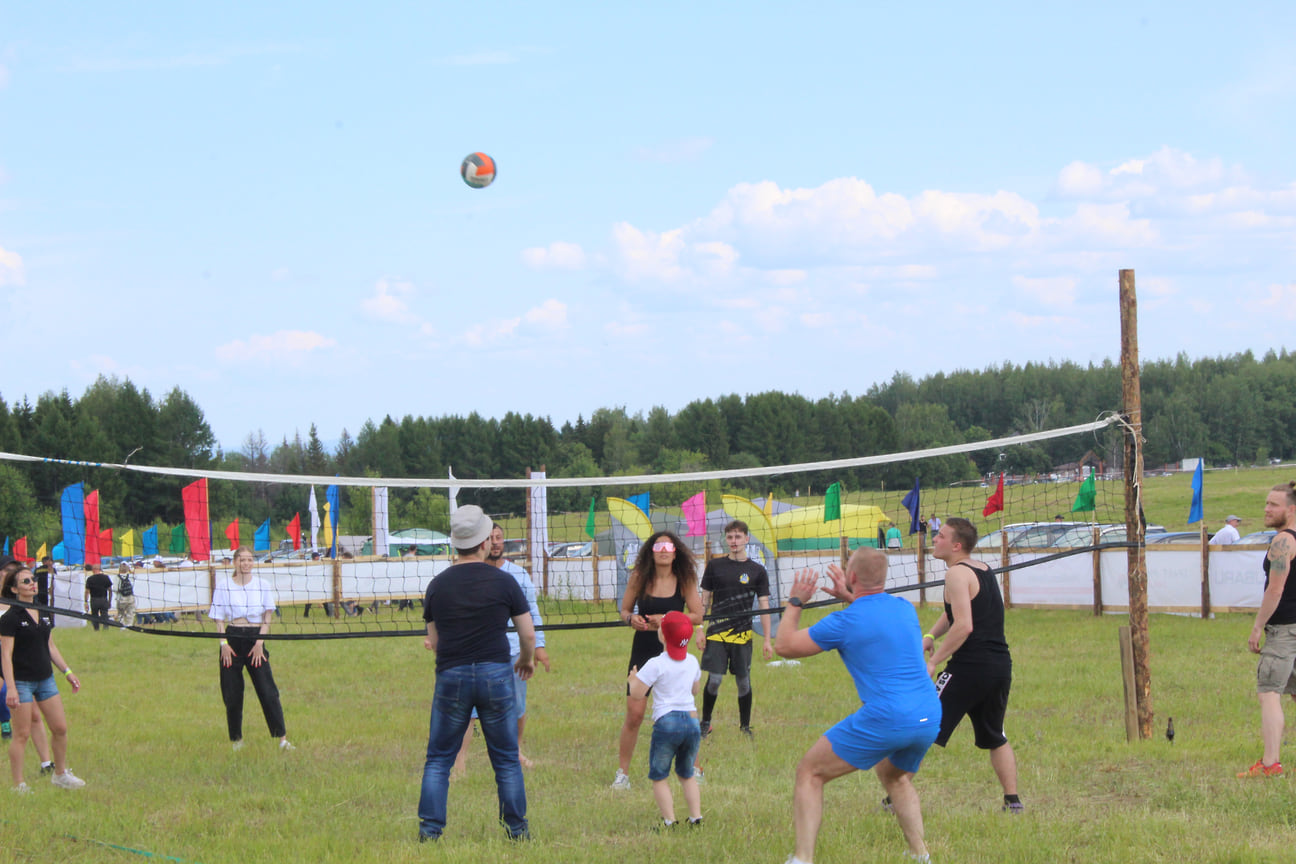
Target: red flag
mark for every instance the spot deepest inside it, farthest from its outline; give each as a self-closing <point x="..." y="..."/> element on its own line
<point x="20" y="550"/>
<point x="92" y="554"/>
<point x="294" y="530"/>
<point x="105" y="543"/>
<point x="231" y="533"/>
<point x="197" y="521"/>
<point x="995" y="502"/>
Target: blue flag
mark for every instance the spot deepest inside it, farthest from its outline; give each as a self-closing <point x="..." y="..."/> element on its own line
<point x="150" y="541"/>
<point x="331" y="496"/>
<point x="641" y="501"/>
<point x="911" y="503"/>
<point x="6" y="549"/>
<point x="1195" y="511"/>
<point x="261" y="539"/>
<point x="72" y="513"/>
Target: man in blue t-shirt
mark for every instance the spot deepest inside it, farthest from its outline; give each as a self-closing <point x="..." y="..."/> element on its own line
<point x="880" y="641"/>
<point x="467" y="609"/>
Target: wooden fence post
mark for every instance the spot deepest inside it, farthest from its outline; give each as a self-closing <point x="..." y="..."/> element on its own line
<point x="1136" y="558"/>
<point x="1097" y="573"/>
<point x="1127" y="675"/>
<point x="1205" y="570"/>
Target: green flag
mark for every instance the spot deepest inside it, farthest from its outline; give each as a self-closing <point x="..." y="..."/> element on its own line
<point x="589" y="523"/>
<point x="832" y="502"/>
<point x="177" y="542"/>
<point x="1084" y="502"/>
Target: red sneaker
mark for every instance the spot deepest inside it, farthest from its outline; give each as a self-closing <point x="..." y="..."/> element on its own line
<point x="1259" y="769"/>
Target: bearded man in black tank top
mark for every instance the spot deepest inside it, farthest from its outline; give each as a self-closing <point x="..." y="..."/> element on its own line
<point x="1276" y="624"/>
<point x="978" y="676"/>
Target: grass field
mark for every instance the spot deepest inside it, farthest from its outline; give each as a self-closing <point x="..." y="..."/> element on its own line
<point x="148" y="736"/>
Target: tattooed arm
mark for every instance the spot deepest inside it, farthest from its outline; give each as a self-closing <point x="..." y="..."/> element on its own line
<point x="1281" y="552"/>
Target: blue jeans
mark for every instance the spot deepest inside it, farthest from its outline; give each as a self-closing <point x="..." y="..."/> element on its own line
<point x="676" y="736"/>
<point x="488" y="687"/>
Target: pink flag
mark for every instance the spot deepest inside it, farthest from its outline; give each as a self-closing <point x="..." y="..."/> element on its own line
<point x="695" y="515"/>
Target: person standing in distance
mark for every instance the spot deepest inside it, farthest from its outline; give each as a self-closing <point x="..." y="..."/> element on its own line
<point x="1275" y="625"/>
<point x="879" y="640"/>
<point x="733" y="582"/>
<point x="978" y="676"/>
<point x="1229" y="533"/>
<point x="467" y="609"/>
<point x="98" y="594"/>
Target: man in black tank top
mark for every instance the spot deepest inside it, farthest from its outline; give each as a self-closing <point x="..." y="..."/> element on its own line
<point x="1276" y="624"/>
<point x="977" y="677"/>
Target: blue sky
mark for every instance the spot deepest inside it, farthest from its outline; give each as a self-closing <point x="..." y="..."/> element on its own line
<point x="263" y="206"/>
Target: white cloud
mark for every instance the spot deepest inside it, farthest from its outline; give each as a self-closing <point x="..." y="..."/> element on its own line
<point x="292" y="346"/>
<point x="551" y="314"/>
<point x="11" y="268"/>
<point x="1052" y="290"/>
<point x="388" y="302"/>
<point x="1280" y="300"/>
<point x="556" y="256"/>
<point x="680" y="150"/>
<point x="548" y="317"/>
<point x="1080" y="180"/>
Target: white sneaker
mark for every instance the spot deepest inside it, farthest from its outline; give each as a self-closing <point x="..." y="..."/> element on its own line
<point x="285" y="746"/>
<point x="699" y="776"/>
<point x="622" y="780"/>
<point x="22" y="789"/>
<point x="237" y="745"/>
<point x="67" y="780"/>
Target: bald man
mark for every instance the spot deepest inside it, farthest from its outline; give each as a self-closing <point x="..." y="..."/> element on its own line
<point x="881" y="644"/>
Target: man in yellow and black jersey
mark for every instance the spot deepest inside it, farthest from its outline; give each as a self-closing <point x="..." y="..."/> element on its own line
<point x="729" y="585"/>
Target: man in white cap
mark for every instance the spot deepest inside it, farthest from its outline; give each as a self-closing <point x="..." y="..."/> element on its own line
<point x="467" y="609"/>
<point x="1229" y="533"/>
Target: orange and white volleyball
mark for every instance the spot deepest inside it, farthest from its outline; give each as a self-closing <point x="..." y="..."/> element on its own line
<point x="478" y="170"/>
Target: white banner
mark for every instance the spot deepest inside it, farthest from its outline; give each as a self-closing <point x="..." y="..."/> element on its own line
<point x="538" y="542"/>
<point x="380" y="520"/>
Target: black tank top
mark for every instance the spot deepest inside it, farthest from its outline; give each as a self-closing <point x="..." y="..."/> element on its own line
<point x="1286" y="611"/>
<point x="646" y="644"/>
<point x="985" y="648"/>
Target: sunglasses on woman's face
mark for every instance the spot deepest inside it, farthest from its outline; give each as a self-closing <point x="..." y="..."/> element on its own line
<point x="663" y="546"/>
<point x="25" y="581"/>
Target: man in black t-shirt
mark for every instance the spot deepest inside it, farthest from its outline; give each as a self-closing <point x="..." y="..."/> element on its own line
<point x="98" y="593"/>
<point x="1275" y="625"/>
<point x="467" y="609"/>
<point x="44" y="579"/>
<point x="976" y="681"/>
<point x="729" y="587"/>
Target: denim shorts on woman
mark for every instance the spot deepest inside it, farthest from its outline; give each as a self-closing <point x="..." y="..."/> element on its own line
<point x="37" y="691"/>
<point x="676" y="736"/>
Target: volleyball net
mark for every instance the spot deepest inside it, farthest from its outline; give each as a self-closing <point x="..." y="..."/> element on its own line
<point x="353" y="556"/>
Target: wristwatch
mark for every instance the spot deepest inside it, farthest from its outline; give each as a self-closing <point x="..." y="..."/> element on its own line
<point x="794" y="601"/>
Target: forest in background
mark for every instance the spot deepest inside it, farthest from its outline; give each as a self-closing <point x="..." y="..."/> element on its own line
<point x="1235" y="410"/>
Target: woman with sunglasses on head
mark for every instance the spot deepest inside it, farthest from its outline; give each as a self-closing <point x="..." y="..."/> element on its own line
<point x="664" y="580"/>
<point x="29" y="658"/>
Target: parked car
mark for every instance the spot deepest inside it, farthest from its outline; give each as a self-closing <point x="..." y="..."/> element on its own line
<point x="1027" y="535"/>
<point x="1264" y="537"/>
<point x="1175" y="537"/>
<point x="515" y="549"/>
<point x="570" y="550"/>
<point x="1079" y="536"/>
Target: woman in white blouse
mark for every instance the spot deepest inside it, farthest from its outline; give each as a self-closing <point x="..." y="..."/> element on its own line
<point x="241" y="607"/>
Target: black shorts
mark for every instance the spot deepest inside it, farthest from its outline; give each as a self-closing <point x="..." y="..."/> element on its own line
<point x="982" y="697"/>
<point x="637" y="660"/>
<point x="720" y="657"/>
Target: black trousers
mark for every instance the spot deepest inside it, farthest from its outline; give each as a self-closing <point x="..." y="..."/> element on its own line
<point x="241" y="640"/>
<point x="99" y="611"/>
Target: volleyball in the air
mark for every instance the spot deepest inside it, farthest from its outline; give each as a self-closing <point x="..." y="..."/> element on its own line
<point x="478" y="170"/>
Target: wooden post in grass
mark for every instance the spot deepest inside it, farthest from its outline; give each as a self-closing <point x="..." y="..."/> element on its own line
<point x="1127" y="675"/>
<point x="1205" y="568"/>
<point x="1136" y="557"/>
<point x="845" y="550"/>
<point x="337" y="586"/>
<point x="1097" y="573"/>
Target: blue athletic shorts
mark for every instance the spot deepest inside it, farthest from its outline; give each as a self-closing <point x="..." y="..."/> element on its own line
<point x="861" y="741"/>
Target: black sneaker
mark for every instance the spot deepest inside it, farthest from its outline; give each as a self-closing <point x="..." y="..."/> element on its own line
<point x="705" y="725"/>
<point x="47" y="769"/>
<point x="747" y="730"/>
<point x="6" y="731"/>
<point x="695" y="823"/>
<point x="663" y="827"/>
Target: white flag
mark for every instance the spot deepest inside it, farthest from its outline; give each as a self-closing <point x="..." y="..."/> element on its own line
<point x="454" y="491"/>
<point x="315" y="520"/>
<point x="538" y="542"/>
<point x="380" y="520"/>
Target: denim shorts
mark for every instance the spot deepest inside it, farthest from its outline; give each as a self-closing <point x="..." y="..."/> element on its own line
<point x="36" y="691"/>
<point x="676" y="736"/>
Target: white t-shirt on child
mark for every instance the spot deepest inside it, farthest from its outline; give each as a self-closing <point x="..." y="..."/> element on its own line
<point x="671" y="682"/>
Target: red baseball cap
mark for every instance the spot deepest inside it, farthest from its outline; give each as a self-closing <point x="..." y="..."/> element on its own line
<point x="676" y="630"/>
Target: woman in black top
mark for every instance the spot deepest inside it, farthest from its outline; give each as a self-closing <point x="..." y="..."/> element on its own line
<point x="664" y="580"/>
<point x="29" y="657"/>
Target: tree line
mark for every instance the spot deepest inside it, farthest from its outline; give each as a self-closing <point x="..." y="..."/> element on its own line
<point x="1230" y="410"/>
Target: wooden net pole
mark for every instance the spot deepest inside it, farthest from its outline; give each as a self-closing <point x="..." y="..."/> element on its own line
<point x="1136" y="559"/>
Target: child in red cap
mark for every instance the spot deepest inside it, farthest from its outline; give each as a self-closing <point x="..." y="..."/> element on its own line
<point x="674" y="678"/>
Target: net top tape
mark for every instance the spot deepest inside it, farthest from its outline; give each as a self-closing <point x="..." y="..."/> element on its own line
<point x="528" y="482"/>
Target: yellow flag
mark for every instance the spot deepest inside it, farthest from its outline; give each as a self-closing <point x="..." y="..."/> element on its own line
<point x="41" y="552"/>
<point x="328" y="527"/>
<point x="768" y="509"/>
<point x="128" y="543"/>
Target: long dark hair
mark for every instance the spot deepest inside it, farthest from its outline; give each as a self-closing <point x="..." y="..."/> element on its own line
<point x="645" y="568"/>
<point x="10" y="577"/>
